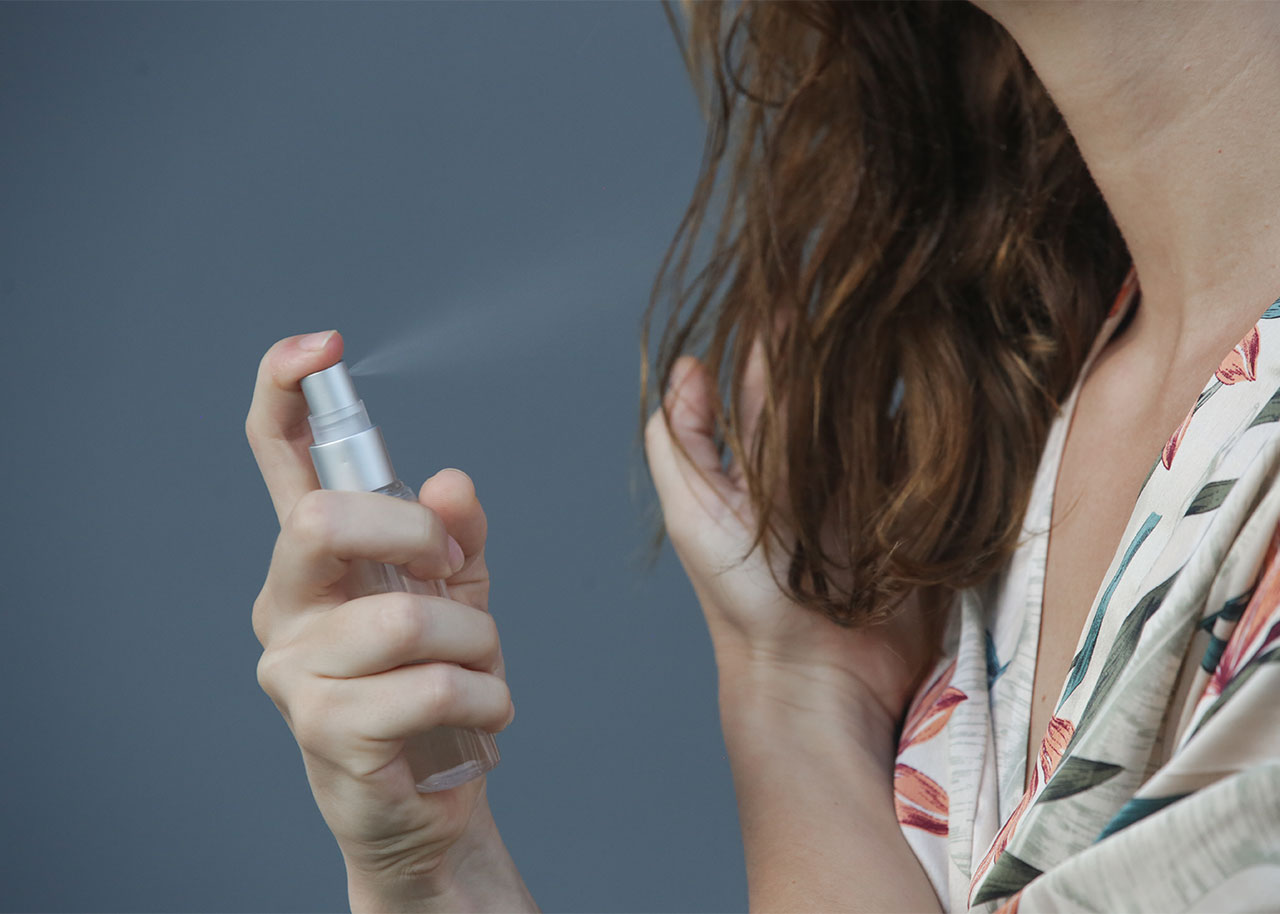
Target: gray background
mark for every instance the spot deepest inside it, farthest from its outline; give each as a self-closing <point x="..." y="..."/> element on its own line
<point x="181" y="185"/>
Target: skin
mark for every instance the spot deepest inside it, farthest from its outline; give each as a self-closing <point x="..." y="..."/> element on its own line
<point x="1163" y="100"/>
<point x="336" y="666"/>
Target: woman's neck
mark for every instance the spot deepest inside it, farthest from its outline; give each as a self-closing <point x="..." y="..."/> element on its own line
<point x="1174" y="107"/>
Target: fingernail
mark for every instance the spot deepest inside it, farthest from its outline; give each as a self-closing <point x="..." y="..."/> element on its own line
<point x="456" y="556"/>
<point x="314" y="342"/>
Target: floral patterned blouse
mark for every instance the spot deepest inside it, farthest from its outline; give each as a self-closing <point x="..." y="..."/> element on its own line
<point x="1158" y="782"/>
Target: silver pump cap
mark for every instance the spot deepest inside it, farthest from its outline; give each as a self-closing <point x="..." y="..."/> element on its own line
<point x="348" y="452"/>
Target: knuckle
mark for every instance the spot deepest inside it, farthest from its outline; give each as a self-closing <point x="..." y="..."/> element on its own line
<point x="444" y="689"/>
<point x="401" y="619"/>
<point x="431" y="531"/>
<point x="269" y="674"/>
<point x="315" y="720"/>
<point x="490" y="640"/>
<point x="259" y="617"/>
<point x="274" y="676"/>
<point x="314" y="518"/>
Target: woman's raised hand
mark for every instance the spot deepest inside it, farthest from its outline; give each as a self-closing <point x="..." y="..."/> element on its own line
<point x="355" y="676"/>
<point x="761" y="637"/>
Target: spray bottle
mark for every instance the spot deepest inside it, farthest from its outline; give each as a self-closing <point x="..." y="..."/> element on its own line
<point x="349" y="454"/>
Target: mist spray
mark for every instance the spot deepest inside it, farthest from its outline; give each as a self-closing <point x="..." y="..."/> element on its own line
<point x="349" y="454"/>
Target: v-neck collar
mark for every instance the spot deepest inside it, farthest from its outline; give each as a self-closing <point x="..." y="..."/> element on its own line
<point x="1165" y="495"/>
<point x="1039" y="528"/>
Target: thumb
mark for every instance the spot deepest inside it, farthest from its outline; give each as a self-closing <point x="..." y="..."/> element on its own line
<point x="680" y="447"/>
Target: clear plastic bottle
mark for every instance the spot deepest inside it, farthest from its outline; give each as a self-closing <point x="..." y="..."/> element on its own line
<point x="349" y="454"/>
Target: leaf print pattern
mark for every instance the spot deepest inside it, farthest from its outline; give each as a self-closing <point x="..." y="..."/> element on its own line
<point x="995" y="669"/>
<point x="1241" y="363"/>
<point x="1136" y="810"/>
<point x="1056" y="738"/>
<point x="1171" y="446"/>
<point x="1011" y="905"/>
<point x="1211" y="497"/>
<point x="931" y="710"/>
<point x="1124" y="772"/>
<point x="1080" y="662"/>
<point x="919" y="800"/>
<point x="1259" y="615"/>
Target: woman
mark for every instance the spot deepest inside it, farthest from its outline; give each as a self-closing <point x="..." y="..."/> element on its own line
<point x="928" y="702"/>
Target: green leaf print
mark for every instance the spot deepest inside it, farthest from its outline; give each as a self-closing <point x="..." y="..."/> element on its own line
<point x="1080" y="663"/>
<point x="1210" y="497"/>
<point x="1270" y="412"/>
<point x="1076" y="775"/>
<point x="1008" y="875"/>
<point x="1240" y="678"/>
<point x="1126" y="642"/>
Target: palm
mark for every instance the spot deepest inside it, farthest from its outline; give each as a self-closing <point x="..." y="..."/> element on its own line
<point x="711" y="523"/>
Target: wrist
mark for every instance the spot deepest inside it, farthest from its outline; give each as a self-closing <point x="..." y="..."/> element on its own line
<point x="475" y="874"/>
<point x="765" y="696"/>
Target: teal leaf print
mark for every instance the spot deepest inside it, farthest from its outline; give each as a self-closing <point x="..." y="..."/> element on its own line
<point x="1007" y="875"/>
<point x="994" y="668"/>
<point x="1270" y="412"/>
<point x="1080" y="663"/>
<point x="1272" y="312"/>
<point x="1135" y="810"/>
<point x="1122" y="649"/>
<point x="1076" y="775"/>
<point x="1210" y="497"/>
<point x="1237" y="681"/>
<point x="1230" y="612"/>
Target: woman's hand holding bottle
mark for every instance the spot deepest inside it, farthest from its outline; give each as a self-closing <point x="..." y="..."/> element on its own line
<point x="356" y="676"/>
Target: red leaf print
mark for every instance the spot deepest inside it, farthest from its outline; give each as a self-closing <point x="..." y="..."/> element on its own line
<point x="931" y="710"/>
<point x="1171" y="446"/>
<point x="1241" y="362"/>
<point x="1057" y="736"/>
<point x="919" y="800"/>
<point x="1010" y="906"/>
<point x="919" y="788"/>
<point x="931" y="724"/>
<point x="917" y="819"/>
<point x="1243" y="642"/>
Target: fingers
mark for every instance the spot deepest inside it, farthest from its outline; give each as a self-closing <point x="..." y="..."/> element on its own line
<point x="326" y="530"/>
<point x="377" y="633"/>
<point x="277" y="422"/>
<point x="696" y="473"/>
<point x="452" y="496"/>
<point x="333" y="717"/>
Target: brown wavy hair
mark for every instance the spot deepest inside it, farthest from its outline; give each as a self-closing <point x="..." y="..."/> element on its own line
<point x="903" y="220"/>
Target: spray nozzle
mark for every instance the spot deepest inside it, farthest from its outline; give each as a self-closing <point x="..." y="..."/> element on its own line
<point x="336" y="410"/>
<point x="349" y="452"/>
